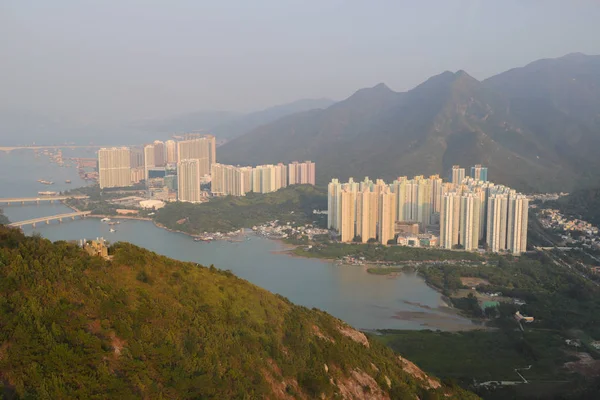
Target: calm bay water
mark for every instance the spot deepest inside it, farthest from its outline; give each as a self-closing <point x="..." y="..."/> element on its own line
<point x="348" y="292"/>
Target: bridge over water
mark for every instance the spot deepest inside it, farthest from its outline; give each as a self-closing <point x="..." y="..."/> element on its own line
<point x="23" y="200"/>
<point x="47" y="220"/>
<point x="66" y="146"/>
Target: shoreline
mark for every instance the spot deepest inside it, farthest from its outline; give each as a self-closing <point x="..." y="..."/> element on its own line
<point x="288" y="250"/>
<point x="444" y="316"/>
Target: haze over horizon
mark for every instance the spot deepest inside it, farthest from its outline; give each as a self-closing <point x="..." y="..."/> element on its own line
<point x="137" y="59"/>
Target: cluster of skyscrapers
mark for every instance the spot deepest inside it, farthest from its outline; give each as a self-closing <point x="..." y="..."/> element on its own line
<point x="182" y="166"/>
<point x="470" y="212"/>
<point x="193" y="156"/>
<point x="237" y="181"/>
<point x="478" y="213"/>
<point x="370" y="210"/>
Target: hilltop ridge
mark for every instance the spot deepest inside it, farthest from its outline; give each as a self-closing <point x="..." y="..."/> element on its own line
<point x="146" y="326"/>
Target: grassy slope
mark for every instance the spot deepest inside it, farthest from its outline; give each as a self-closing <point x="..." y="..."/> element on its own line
<point x="143" y="325"/>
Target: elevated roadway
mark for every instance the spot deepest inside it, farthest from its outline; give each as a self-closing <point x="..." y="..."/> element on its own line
<point x="23" y="200"/>
<point x="47" y="220"/>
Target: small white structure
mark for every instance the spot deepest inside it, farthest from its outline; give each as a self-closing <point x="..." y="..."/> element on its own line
<point x="152" y="204"/>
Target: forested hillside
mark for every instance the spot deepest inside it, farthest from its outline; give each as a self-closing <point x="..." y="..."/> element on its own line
<point x="293" y="203"/>
<point x="584" y="203"/>
<point x="145" y="326"/>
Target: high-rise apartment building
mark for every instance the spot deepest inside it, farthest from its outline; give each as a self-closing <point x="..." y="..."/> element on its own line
<point x="348" y="217"/>
<point x="201" y="148"/>
<point x="149" y="162"/>
<point x="137" y="157"/>
<point x="458" y="174"/>
<point x="469" y="221"/>
<point x="269" y="178"/>
<point x="387" y="215"/>
<point x="171" y="151"/>
<point x="450" y="220"/>
<point x="424" y="202"/>
<point x="333" y="204"/>
<point x="189" y="178"/>
<point x="367" y="206"/>
<point x="497" y="219"/>
<point x="436" y="193"/>
<point x="114" y="167"/>
<point x="301" y="173"/>
<point x="479" y="173"/>
<point x="230" y="180"/>
<point x="160" y="154"/>
<point x="137" y="174"/>
<point x="518" y="208"/>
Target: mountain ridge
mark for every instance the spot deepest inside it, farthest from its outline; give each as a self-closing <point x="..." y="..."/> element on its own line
<point x="451" y="118"/>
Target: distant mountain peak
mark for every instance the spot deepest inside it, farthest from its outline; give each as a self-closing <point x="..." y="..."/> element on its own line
<point x="462" y="78"/>
<point x="382" y="86"/>
<point x="376" y="94"/>
<point x="379" y="88"/>
<point x="520" y="123"/>
<point x="574" y="55"/>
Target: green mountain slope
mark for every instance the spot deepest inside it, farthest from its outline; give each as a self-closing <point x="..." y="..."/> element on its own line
<point x="450" y="119"/>
<point x="145" y="326"/>
<point x="583" y="203"/>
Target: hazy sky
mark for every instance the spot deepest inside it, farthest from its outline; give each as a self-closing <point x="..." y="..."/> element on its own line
<point x="131" y="59"/>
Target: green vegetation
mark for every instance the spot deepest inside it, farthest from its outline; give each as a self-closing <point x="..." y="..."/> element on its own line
<point x="384" y="271"/>
<point x="376" y="252"/>
<point x="558" y="297"/>
<point x="564" y="301"/>
<point x="583" y="204"/>
<point x="484" y="356"/>
<point x="145" y="326"/>
<point x="291" y="204"/>
<point x="481" y="356"/>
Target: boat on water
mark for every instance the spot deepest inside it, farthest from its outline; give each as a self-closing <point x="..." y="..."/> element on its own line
<point x="112" y="230"/>
<point x="67" y="181"/>
<point x="44" y="182"/>
<point x="201" y="239"/>
<point x="105" y="220"/>
<point x="47" y="193"/>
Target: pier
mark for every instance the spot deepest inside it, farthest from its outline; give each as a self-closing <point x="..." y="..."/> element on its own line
<point x="23" y="200"/>
<point x="47" y="220"/>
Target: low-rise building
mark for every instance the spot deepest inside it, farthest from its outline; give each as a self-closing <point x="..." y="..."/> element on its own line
<point x="96" y="248"/>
